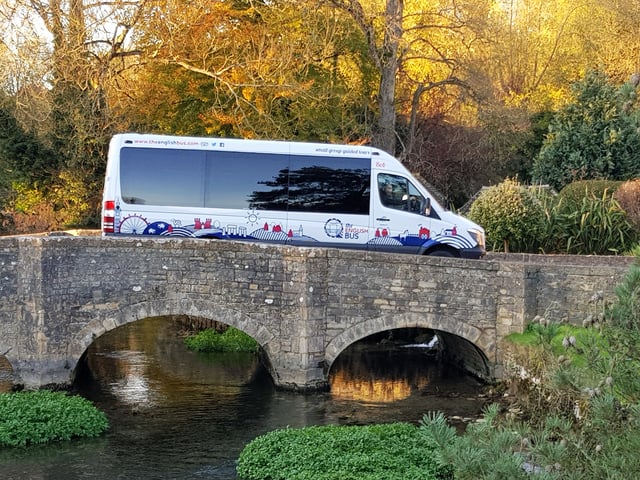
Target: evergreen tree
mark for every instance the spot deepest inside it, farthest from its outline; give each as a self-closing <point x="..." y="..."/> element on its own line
<point x="595" y="137"/>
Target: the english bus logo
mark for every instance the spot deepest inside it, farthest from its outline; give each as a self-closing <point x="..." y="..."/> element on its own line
<point x="333" y="228"/>
<point x="352" y="232"/>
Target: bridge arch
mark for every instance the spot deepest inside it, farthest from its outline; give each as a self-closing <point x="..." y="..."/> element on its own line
<point x="161" y="308"/>
<point x="470" y="346"/>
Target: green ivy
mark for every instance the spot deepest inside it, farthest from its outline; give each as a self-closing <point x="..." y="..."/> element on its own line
<point x="28" y="418"/>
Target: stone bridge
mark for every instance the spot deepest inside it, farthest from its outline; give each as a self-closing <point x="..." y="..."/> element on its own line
<point x="303" y="305"/>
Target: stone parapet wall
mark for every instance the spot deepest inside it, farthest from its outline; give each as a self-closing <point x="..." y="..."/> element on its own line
<point x="569" y="288"/>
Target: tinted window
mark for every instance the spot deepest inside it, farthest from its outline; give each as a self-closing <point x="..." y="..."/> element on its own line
<point x="153" y="176"/>
<point x="329" y="185"/>
<point x="215" y="179"/>
<point x="246" y="180"/>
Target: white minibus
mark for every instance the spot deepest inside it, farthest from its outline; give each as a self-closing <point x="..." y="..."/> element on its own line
<point x="294" y="193"/>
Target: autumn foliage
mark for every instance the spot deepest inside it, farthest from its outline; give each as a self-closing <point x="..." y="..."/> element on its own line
<point x="462" y="92"/>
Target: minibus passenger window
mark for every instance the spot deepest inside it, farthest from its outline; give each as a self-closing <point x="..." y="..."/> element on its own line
<point x="156" y="176"/>
<point x="332" y="185"/>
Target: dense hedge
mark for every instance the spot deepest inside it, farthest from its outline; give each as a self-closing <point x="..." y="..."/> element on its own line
<point x="28" y="418"/>
<point x="571" y="196"/>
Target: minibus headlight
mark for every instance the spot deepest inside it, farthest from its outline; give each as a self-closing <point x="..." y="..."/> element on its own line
<point x="478" y="235"/>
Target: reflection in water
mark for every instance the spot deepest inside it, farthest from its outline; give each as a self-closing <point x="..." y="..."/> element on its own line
<point x="370" y="373"/>
<point x="344" y="386"/>
<point x="132" y="386"/>
<point x="182" y="415"/>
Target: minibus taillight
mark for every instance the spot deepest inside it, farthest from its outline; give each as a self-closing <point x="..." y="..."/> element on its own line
<point x="108" y="215"/>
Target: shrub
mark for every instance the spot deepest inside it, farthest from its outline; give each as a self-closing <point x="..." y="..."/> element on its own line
<point x="28" y="418"/>
<point x="597" y="226"/>
<point x="573" y="194"/>
<point x="625" y="312"/>
<point x="485" y="451"/>
<point x="628" y="196"/>
<point x="231" y="340"/>
<point x="576" y="412"/>
<point x="397" y="451"/>
<point x="511" y="215"/>
<point x="70" y="201"/>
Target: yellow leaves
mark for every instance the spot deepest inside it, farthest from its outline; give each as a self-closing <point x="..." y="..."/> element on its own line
<point x="248" y="93"/>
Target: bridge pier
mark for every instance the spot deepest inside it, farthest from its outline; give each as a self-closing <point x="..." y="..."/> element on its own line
<point x="300" y="380"/>
<point x="37" y="373"/>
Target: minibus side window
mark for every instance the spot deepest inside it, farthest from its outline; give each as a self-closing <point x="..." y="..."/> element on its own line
<point x="242" y="180"/>
<point x="329" y="185"/>
<point x="155" y="176"/>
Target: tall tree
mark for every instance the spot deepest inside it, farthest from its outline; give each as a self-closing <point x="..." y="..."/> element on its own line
<point x="611" y="36"/>
<point x="89" y="42"/>
<point x="252" y="69"/>
<point x="80" y="49"/>
<point x="419" y="46"/>
<point x="383" y="34"/>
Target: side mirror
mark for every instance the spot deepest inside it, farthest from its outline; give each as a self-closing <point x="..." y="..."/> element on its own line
<point x="427" y="207"/>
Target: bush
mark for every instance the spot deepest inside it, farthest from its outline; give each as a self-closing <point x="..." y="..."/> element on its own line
<point x="397" y="451"/>
<point x="573" y="194"/>
<point x="576" y="411"/>
<point x="231" y="340"/>
<point x="70" y="201"/>
<point x="595" y="136"/>
<point x="625" y="312"/>
<point x="597" y="226"/>
<point x="628" y="197"/>
<point x="28" y="418"/>
<point x="511" y="215"/>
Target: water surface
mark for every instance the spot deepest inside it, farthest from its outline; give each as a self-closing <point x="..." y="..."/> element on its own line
<point x="176" y="414"/>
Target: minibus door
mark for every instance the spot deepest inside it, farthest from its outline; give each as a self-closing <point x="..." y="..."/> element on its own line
<point x="400" y="215"/>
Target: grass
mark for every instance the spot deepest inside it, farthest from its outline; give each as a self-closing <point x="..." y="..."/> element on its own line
<point x="231" y="340"/>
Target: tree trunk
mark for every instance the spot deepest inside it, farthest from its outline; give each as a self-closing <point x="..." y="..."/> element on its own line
<point x="385" y="134"/>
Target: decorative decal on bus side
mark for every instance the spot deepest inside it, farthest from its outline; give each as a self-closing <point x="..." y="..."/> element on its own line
<point x="136" y="224"/>
<point x="448" y="236"/>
